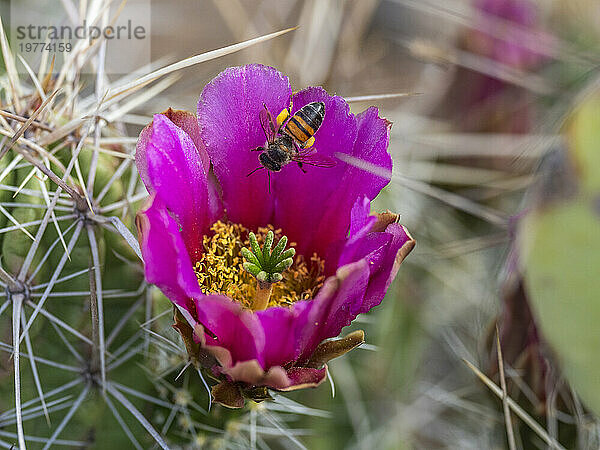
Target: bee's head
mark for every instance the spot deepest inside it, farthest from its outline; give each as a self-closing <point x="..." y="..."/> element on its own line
<point x="273" y="146"/>
<point x="268" y="162"/>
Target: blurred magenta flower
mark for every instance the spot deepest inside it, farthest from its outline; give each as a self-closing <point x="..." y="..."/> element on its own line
<point x="203" y="204"/>
<point x="504" y="36"/>
<point x="510" y="50"/>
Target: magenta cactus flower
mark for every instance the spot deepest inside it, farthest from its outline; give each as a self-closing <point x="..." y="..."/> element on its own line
<point x="209" y="230"/>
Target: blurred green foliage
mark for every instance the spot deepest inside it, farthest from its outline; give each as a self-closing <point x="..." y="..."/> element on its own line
<point x="560" y="251"/>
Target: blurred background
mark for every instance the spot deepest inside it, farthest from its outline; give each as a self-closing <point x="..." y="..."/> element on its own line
<point x="495" y="140"/>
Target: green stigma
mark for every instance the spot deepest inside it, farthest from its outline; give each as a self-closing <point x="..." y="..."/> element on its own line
<point x="266" y="265"/>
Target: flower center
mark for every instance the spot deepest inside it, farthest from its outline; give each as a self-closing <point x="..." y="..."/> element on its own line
<point x="221" y="271"/>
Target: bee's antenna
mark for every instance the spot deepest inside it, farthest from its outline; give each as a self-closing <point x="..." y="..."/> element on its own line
<point x="258" y="168"/>
<point x="269" y="176"/>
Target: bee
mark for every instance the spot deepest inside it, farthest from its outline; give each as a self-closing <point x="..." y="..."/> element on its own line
<point x="291" y="139"/>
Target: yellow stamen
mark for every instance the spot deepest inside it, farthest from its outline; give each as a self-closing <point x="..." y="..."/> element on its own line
<point x="220" y="270"/>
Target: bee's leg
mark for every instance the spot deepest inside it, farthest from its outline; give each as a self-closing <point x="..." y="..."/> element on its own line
<point x="301" y="168"/>
<point x="258" y="168"/>
<point x="258" y="149"/>
<point x="269" y="180"/>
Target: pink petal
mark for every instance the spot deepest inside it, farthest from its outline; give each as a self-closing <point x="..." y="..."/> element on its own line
<point x="176" y="173"/>
<point x="321" y="200"/>
<point x="228" y="114"/>
<point x="233" y="328"/>
<point x="166" y="260"/>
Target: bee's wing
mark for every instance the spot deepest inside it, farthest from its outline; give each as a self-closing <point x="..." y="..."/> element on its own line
<point x="267" y="124"/>
<point x="315" y="159"/>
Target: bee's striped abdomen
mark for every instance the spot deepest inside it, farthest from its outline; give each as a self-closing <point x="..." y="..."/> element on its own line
<point x="305" y="123"/>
